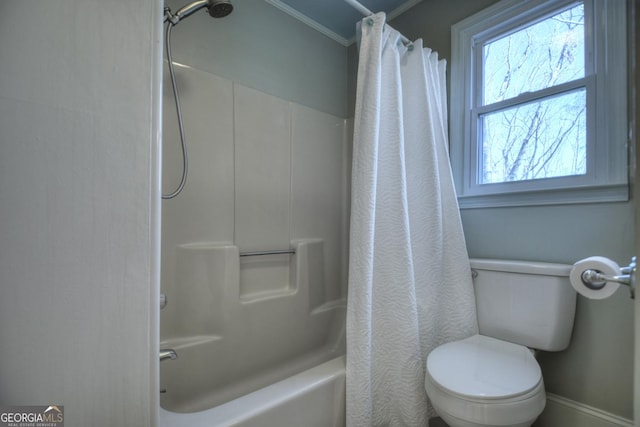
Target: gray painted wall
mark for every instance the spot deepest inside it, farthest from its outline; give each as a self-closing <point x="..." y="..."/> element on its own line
<point x="597" y="368"/>
<point x="78" y="154"/>
<point x="262" y="47"/>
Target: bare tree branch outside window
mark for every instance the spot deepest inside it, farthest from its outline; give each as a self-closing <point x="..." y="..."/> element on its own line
<point x="545" y="137"/>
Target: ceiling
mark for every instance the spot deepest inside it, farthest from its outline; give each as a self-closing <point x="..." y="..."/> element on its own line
<point x="336" y="18"/>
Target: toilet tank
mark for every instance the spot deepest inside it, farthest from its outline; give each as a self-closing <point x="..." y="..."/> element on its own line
<point x="527" y="303"/>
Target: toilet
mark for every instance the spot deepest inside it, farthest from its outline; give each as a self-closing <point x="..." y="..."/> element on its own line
<point x="493" y="378"/>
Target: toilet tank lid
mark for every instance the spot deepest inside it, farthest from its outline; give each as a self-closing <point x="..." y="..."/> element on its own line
<point x="482" y="367"/>
<point x="525" y="267"/>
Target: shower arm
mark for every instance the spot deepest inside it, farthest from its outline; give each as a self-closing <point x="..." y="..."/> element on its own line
<point x="168" y="16"/>
<point x="185" y="11"/>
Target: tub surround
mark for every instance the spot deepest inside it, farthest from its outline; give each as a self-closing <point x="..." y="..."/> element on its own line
<point x="265" y="175"/>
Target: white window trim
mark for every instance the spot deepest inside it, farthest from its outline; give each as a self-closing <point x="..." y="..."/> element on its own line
<point x="608" y="180"/>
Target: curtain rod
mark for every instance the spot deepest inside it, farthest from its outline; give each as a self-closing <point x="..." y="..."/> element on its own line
<point x="359" y="7"/>
<point x="366" y="12"/>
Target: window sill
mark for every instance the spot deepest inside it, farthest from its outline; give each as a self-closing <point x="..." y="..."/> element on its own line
<point x="567" y="196"/>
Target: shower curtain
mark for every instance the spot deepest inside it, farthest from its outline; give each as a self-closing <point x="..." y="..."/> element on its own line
<point x="410" y="284"/>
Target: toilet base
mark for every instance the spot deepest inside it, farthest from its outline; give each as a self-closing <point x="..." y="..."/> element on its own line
<point x="456" y="422"/>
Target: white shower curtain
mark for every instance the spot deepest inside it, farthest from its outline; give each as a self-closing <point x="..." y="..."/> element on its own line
<point x="410" y="284"/>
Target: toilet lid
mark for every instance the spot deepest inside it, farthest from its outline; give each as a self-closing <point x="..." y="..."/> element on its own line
<point x="484" y="367"/>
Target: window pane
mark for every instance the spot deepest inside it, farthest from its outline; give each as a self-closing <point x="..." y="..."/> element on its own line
<point x="539" y="56"/>
<point x="541" y="139"/>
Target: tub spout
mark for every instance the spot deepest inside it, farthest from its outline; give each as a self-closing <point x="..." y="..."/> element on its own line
<point x="168" y="354"/>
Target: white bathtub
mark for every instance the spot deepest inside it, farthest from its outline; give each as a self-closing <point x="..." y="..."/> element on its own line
<point x="313" y="398"/>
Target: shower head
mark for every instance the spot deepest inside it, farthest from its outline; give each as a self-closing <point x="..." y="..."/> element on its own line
<point x="217" y="9"/>
<point x="220" y="9"/>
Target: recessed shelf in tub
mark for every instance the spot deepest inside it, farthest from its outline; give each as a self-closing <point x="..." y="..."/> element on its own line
<point x="265" y="275"/>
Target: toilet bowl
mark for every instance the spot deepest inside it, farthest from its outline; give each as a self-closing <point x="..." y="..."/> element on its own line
<point x="493" y="378"/>
<point x="483" y="381"/>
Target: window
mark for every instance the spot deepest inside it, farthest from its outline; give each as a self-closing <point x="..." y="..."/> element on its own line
<point x="538" y="103"/>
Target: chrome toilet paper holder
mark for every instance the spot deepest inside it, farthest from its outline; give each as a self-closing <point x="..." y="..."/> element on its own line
<point x="595" y="279"/>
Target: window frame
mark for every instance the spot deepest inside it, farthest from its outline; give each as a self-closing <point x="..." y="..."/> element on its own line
<point x="605" y="80"/>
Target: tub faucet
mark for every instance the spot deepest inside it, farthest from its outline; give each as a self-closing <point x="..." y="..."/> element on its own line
<point x="168" y="354"/>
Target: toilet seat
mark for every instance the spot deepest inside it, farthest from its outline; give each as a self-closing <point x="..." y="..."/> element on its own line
<point x="481" y="367"/>
<point x="482" y="381"/>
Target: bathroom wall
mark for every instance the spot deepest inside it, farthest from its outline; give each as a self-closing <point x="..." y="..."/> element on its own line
<point x="596" y="369"/>
<point x="263" y="48"/>
<point x="78" y="188"/>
